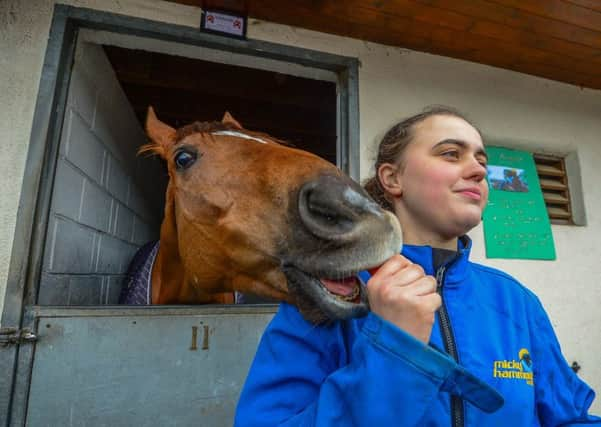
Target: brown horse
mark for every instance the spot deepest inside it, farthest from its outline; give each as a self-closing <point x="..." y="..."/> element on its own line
<point x="246" y="213"/>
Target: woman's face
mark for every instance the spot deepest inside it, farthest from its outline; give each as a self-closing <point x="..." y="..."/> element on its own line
<point x="442" y="177"/>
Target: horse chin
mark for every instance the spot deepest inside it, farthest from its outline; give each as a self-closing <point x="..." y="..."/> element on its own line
<point x="317" y="304"/>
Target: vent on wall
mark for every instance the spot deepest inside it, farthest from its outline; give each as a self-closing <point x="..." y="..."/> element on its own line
<point x="554" y="184"/>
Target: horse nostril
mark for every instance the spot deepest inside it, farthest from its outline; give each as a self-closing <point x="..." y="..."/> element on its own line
<point x="324" y="208"/>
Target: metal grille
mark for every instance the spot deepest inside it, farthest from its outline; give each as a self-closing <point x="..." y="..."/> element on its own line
<point x="554" y="185"/>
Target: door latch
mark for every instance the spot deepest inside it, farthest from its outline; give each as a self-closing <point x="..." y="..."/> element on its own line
<point x="12" y="336"/>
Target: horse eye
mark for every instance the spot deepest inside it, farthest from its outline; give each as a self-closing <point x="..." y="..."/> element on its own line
<point x="184" y="159"/>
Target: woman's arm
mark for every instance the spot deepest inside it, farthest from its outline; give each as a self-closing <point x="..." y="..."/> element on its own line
<point x="302" y="376"/>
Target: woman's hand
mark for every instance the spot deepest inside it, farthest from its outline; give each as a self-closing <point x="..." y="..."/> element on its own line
<point x="401" y="293"/>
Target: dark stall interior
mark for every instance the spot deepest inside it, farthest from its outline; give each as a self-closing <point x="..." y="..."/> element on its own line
<point x="299" y="110"/>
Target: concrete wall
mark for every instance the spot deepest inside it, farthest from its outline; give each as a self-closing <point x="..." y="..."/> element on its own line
<point x="102" y="207"/>
<point x="511" y="109"/>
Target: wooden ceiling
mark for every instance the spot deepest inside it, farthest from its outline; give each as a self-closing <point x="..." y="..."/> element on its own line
<point x="555" y="39"/>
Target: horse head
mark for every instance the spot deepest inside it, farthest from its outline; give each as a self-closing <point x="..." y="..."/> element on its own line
<point x="246" y="213"/>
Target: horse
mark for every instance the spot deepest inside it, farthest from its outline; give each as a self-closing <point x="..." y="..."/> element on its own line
<point x="245" y="213"/>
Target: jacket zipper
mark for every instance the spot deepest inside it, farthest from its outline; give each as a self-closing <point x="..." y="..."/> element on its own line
<point x="457" y="416"/>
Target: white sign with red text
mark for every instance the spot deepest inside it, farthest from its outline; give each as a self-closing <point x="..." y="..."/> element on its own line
<point x="223" y="23"/>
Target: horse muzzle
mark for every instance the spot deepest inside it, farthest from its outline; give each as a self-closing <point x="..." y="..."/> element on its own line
<point x="340" y="232"/>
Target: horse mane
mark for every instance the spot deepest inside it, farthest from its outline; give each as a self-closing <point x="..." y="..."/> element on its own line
<point x="205" y="127"/>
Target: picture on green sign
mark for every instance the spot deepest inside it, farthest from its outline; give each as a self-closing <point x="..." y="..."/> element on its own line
<point x="506" y="178"/>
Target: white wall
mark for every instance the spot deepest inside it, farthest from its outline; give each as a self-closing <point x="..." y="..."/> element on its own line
<point x="510" y="108"/>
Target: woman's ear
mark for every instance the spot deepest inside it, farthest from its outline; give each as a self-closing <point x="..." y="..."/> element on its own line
<point x="390" y="179"/>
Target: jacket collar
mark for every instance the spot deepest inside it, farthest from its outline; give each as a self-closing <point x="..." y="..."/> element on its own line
<point x="456" y="264"/>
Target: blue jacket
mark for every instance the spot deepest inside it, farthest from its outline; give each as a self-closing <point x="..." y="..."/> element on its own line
<point x="367" y="372"/>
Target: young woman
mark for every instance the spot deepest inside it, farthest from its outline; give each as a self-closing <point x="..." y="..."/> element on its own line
<point x="384" y="369"/>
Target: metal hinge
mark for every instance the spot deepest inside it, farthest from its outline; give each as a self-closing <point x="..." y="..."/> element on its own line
<point x="12" y="336"/>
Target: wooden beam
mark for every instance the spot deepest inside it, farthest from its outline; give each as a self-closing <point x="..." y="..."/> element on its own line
<point x="589" y="4"/>
<point x="547" y="31"/>
<point x="559" y="11"/>
<point x="437" y="40"/>
<point x="555" y="39"/>
<point x="407" y="18"/>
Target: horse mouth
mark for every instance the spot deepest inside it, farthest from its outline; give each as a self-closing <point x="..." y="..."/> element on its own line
<point x="347" y="289"/>
<point x="322" y="299"/>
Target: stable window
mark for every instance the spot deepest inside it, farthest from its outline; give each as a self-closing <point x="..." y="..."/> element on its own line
<point x="107" y="202"/>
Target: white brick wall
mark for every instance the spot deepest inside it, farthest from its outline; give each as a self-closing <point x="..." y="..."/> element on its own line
<point x="105" y="202"/>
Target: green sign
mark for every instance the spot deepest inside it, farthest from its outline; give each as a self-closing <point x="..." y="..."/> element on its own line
<point x="516" y="223"/>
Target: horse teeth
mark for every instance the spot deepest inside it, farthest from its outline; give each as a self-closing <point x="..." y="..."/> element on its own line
<point x="349" y="298"/>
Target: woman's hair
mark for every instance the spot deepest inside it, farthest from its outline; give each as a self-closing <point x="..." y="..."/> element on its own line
<point x="393" y="145"/>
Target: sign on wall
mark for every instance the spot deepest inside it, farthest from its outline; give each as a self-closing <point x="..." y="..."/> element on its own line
<point x="223" y="23"/>
<point x="516" y="223"/>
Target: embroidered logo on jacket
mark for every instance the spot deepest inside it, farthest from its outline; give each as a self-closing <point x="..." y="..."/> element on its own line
<point x="517" y="369"/>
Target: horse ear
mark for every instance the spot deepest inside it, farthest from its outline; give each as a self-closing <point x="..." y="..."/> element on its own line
<point x="229" y="119"/>
<point x="161" y="134"/>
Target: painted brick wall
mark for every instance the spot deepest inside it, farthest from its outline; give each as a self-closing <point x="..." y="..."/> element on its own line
<point x="106" y="200"/>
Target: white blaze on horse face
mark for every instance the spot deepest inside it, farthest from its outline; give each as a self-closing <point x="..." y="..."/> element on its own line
<point x="238" y="134"/>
